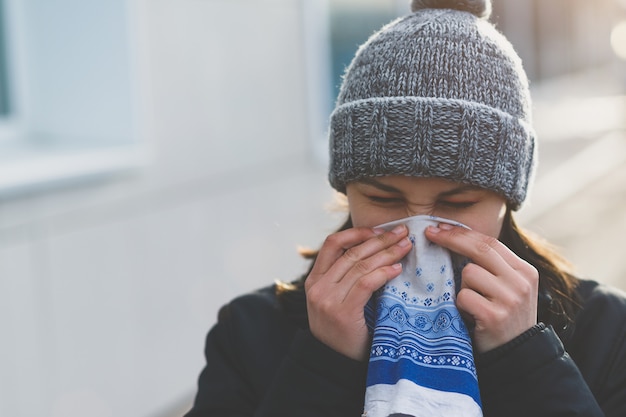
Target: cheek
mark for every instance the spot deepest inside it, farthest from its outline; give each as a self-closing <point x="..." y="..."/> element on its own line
<point x="489" y="228"/>
<point x="363" y="215"/>
<point x="359" y="212"/>
<point x="358" y="220"/>
<point x="489" y="220"/>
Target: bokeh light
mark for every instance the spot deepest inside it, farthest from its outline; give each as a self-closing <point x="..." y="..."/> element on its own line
<point x="618" y="40"/>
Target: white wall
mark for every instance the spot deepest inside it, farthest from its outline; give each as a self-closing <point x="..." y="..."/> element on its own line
<point x="107" y="289"/>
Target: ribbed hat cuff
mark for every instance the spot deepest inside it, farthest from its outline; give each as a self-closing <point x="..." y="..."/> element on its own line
<point x="453" y="139"/>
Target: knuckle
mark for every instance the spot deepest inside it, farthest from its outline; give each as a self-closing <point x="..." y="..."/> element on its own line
<point x="483" y="248"/>
<point x="465" y="300"/>
<point x="532" y="273"/>
<point x="386" y="238"/>
<point x="495" y="315"/>
<point x="526" y="288"/>
<point x="333" y="241"/>
<point x="366" y="285"/>
<point x="454" y="233"/>
<point x="487" y="244"/>
<point x="470" y="274"/>
<point x="324" y="305"/>
<point x="510" y="299"/>
<point x="461" y="297"/>
<point x="389" y="238"/>
<point x="491" y="241"/>
<point x="529" y="280"/>
<point x="362" y="267"/>
<point x="312" y="292"/>
<point x="501" y="315"/>
<point x="352" y="255"/>
<point x="393" y="252"/>
<point x="527" y="291"/>
<point x="469" y="270"/>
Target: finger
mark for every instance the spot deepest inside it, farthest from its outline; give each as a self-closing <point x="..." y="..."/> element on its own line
<point x="507" y="254"/>
<point x="484" y="250"/>
<point x="351" y="246"/>
<point x="354" y="253"/>
<point x="369" y="256"/>
<point x="495" y="259"/>
<point x="336" y="245"/>
<point x="480" y="280"/>
<point x="472" y="304"/>
<point x="361" y="291"/>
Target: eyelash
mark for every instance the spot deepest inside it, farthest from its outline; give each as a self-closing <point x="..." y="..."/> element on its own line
<point x="385" y="200"/>
<point x="459" y="205"/>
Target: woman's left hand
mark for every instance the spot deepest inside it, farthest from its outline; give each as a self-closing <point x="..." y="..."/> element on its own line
<point x="498" y="290"/>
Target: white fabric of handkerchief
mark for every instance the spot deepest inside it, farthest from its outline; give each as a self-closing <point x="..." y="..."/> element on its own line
<point x="421" y="361"/>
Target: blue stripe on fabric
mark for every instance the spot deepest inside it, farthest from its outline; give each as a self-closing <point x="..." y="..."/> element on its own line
<point x="437" y="378"/>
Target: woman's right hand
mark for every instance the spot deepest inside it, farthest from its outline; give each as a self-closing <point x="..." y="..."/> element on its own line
<point x="350" y="266"/>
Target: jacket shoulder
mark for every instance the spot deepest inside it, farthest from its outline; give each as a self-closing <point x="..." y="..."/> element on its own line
<point x="598" y="344"/>
<point x="265" y="304"/>
<point x="259" y="319"/>
<point x="602" y="304"/>
<point x="260" y="299"/>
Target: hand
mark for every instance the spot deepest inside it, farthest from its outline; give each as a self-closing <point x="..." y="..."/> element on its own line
<point x="350" y="266"/>
<point x="498" y="290"/>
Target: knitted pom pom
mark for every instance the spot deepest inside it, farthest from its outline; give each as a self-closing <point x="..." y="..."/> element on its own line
<point x="479" y="8"/>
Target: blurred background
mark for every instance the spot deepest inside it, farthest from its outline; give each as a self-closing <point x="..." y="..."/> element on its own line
<point x="159" y="157"/>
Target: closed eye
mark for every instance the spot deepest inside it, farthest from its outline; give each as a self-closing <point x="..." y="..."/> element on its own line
<point x="457" y="204"/>
<point x="385" y="200"/>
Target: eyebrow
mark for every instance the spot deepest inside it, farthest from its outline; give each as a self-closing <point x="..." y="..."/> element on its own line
<point x="388" y="188"/>
<point x="379" y="185"/>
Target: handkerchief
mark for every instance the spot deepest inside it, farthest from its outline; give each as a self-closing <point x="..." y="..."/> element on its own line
<point x="421" y="361"/>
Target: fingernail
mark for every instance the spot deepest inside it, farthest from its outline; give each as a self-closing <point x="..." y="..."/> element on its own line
<point x="433" y="229"/>
<point x="398" y="230"/>
<point x="378" y="231"/>
<point x="445" y="226"/>
<point x="404" y="242"/>
<point x="397" y="266"/>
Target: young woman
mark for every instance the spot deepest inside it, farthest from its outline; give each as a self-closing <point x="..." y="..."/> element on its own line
<point x="433" y="118"/>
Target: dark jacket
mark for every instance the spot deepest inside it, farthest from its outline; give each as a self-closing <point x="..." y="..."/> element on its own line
<point x="263" y="361"/>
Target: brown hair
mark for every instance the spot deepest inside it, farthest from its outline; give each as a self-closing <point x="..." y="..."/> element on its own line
<point x="558" y="299"/>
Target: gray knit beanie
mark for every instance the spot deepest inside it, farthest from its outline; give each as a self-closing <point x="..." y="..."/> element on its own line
<point x="438" y="93"/>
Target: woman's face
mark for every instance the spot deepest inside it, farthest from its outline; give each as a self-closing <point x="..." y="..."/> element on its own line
<point x="374" y="201"/>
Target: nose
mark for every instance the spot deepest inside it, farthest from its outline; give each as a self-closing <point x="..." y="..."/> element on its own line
<point x="419" y="209"/>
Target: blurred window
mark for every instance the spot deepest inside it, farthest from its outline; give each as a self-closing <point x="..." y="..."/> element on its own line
<point x="351" y="23"/>
<point x="558" y="37"/>
<point x="67" y="110"/>
<point x="4" y="93"/>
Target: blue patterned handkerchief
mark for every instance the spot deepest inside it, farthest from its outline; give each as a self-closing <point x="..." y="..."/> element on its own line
<point x="421" y="361"/>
